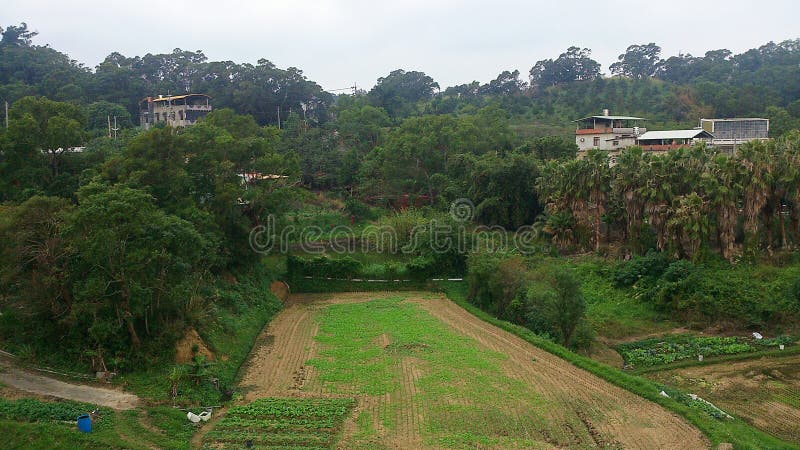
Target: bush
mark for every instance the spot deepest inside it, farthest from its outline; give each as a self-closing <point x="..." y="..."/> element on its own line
<point x="358" y="210"/>
<point x="557" y="307"/>
<point x="653" y="264"/>
<point x="679" y="270"/>
<point x="323" y="267"/>
<point x="494" y="281"/>
<point x="420" y="268"/>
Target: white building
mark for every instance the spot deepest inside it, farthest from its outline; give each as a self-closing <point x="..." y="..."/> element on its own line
<point x="607" y="132"/>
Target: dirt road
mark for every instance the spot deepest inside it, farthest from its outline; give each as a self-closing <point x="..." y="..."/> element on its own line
<point x="607" y="415"/>
<point x="42" y="385"/>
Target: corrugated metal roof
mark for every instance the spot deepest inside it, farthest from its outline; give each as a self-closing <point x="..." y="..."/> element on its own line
<point x="675" y="134"/>
<point x="177" y="97"/>
<point x="611" y="118"/>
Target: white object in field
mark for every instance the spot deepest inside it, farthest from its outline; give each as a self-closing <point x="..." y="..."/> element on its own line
<point x="697" y="398"/>
<point x="194" y="418"/>
<point x="757" y="335"/>
<point x="663" y="394"/>
<point x="699" y="357"/>
<point x="205" y="415"/>
<point x="781" y="347"/>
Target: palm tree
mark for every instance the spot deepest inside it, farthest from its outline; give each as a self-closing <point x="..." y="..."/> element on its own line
<point x="721" y="184"/>
<point x="758" y="186"/>
<point x="627" y="180"/>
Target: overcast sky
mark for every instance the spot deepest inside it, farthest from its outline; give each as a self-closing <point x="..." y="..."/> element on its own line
<point x="340" y="42"/>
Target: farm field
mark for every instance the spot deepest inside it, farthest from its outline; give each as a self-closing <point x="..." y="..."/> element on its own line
<point x="764" y="392"/>
<point x="426" y="373"/>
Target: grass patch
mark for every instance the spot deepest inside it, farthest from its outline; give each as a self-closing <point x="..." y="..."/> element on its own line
<point x="737" y="432"/>
<point x="612" y="311"/>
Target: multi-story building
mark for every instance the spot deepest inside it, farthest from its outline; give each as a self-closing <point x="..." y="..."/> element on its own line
<point x="174" y="110"/>
<point x="607" y="132"/>
<point x="730" y="133"/>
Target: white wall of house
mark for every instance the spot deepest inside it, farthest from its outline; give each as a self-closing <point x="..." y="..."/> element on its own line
<point x="609" y="141"/>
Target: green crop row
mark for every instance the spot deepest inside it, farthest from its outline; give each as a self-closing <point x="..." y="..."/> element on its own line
<point x="272" y="407"/>
<point x="287" y="438"/>
<point x="282" y="422"/>
<point x="32" y="410"/>
<point x="277" y="424"/>
<point x="671" y="348"/>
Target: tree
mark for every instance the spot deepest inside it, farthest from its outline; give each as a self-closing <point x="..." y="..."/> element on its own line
<point x="503" y="189"/>
<point x="134" y="260"/>
<point x="54" y="129"/>
<point x="35" y="262"/>
<point x="101" y="114"/>
<point x="573" y="65"/>
<point x="551" y="147"/>
<point x="556" y="306"/>
<point x="507" y="83"/>
<point x="638" y="61"/>
<point x="398" y="92"/>
<point x="17" y="35"/>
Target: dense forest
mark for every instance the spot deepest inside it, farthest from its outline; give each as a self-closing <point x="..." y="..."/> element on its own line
<point x="126" y="239"/>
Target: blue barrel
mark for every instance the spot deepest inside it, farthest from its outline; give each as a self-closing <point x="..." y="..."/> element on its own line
<point x="85" y="423"/>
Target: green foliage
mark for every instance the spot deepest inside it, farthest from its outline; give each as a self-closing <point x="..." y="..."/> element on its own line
<point x="557" y="307"/>
<point x="671" y="348"/>
<point x="400" y="91"/>
<point x="573" y="65"/>
<point x="230" y="328"/>
<point x="548" y="301"/>
<point x="37" y="411"/>
<point x="309" y="422"/>
<point x="627" y="273"/>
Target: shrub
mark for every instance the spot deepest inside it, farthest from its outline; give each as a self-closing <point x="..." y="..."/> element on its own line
<point x="653" y="264"/>
<point x="324" y="267"/>
<point x="420" y="268"/>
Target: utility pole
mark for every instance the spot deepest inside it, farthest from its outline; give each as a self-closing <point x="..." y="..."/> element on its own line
<point x="279" y="117"/>
<point x="116" y="128"/>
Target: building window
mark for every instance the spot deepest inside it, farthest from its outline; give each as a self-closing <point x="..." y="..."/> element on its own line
<point x="180" y="115"/>
<point x="615" y="143"/>
<point x="597" y="142"/>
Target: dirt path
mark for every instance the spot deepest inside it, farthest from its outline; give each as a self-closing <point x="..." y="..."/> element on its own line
<point x="593" y="411"/>
<point x="41" y="385"/>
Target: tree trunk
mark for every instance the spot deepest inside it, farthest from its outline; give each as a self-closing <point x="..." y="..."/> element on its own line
<point x="135" y="341"/>
<point x="128" y="316"/>
<point x="783" y="227"/>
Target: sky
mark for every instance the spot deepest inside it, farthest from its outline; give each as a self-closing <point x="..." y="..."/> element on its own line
<point x="341" y="42"/>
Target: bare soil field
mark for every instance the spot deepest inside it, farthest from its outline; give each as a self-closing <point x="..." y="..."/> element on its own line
<point x="445" y="379"/>
<point x="764" y="392"/>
